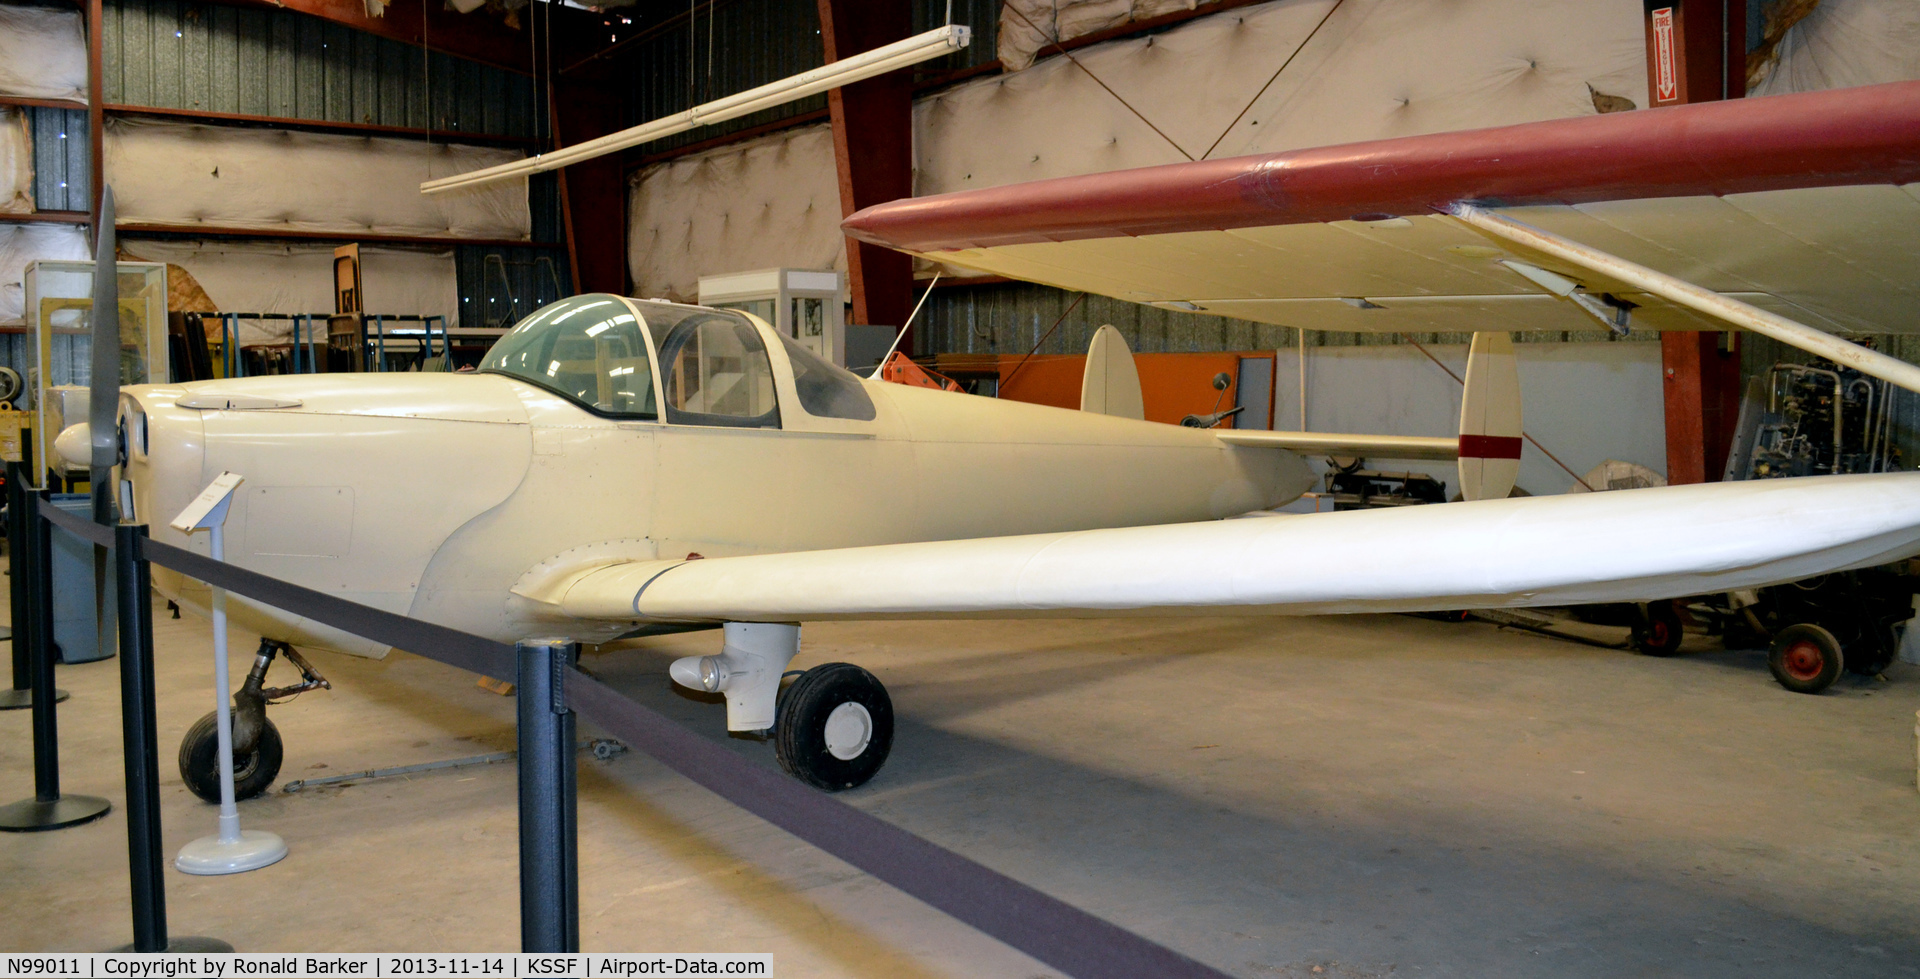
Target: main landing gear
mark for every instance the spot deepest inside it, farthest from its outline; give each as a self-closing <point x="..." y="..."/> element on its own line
<point x="257" y="748"/>
<point x="831" y="728"/>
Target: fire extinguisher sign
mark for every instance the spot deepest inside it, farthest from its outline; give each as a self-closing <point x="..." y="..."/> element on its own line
<point x="1666" y="76"/>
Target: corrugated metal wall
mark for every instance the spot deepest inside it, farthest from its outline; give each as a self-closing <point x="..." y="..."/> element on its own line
<point x="1012" y="317"/>
<point x="177" y="54"/>
<point x="728" y="48"/>
<point x="732" y="47"/>
<point x="62" y="164"/>
<point x="498" y="286"/>
<point x="981" y="15"/>
<point x="206" y="57"/>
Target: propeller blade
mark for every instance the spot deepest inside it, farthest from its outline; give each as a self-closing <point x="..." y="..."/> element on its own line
<point x="104" y="397"/>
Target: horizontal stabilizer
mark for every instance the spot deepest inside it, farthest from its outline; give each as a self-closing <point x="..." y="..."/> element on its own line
<point x="1632" y="545"/>
<point x="1336" y="444"/>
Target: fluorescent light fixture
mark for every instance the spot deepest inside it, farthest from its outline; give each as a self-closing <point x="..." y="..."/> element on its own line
<point x="900" y="54"/>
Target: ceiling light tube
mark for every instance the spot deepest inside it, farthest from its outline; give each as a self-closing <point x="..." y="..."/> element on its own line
<point x="900" y="54"/>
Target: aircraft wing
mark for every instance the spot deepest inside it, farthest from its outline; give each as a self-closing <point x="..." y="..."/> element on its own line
<point x="1804" y="205"/>
<point x="1591" y="547"/>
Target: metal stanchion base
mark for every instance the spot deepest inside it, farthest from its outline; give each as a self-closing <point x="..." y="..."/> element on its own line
<point x="11" y="699"/>
<point x="187" y="943"/>
<point x="33" y="815"/>
<point x="210" y="856"/>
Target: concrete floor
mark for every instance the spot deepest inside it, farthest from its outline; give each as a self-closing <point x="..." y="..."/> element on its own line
<point x="1317" y="797"/>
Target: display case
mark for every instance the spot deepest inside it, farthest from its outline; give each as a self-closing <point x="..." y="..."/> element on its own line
<point x="803" y="304"/>
<point x="59" y="312"/>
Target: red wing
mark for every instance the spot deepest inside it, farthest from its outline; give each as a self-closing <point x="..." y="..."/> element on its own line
<point x="1807" y="205"/>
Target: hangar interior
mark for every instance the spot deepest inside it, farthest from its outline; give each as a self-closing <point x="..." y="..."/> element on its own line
<point x="1449" y="793"/>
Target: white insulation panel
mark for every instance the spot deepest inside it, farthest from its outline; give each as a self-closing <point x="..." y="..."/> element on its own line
<point x="16" y="162"/>
<point x="186" y="174"/>
<point x="1353" y="70"/>
<point x="269" y="277"/>
<point x="767" y="203"/>
<point x="43" y="53"/>
<point x="23" y="243"/>
<point x="1843" y="43"/>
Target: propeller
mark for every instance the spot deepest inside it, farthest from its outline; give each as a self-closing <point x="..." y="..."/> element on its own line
<point x="103" y="400"/>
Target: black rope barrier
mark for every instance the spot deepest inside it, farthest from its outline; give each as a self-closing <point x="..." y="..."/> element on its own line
<point x="80" y="527"/>
<point x="450" y="646"/>
<point x="1046" y="928"/>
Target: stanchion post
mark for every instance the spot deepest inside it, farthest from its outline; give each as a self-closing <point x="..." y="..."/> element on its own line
<point x="48" y="809"/>
<point x="133" y="579"/>
<point x="142" y="753"/>
<point x="33" y="558"/>
<point x="21" y="694"/>
<point x="20" y="501"/>
<point x="549" y="853"/>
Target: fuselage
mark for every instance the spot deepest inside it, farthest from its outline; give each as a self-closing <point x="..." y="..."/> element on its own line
<point x="433" y="494"/>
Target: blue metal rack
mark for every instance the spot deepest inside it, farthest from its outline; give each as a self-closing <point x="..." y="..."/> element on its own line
<point x="304" y="337"/>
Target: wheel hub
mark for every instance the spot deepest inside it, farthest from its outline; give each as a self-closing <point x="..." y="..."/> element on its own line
<point x="849" y="729"/>
<point x="1803" y="660"/>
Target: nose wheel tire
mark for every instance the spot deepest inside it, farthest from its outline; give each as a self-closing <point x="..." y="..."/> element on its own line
<point x="253" y="772"/>
<point x="1805" y="658"/>
<point x="834" y="727"/>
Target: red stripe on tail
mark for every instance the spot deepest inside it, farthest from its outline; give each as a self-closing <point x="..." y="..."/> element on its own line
<point x="1489" y="447"/>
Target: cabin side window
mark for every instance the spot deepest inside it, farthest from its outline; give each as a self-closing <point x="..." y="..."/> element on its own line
<point x="714" y="369"/>
<point x="827" y="390"/>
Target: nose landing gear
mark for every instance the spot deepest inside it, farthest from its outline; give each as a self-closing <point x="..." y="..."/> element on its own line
<point x="257" y="749"/>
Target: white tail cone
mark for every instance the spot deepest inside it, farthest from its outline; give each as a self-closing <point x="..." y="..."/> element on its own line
<point x="747" y="670"/>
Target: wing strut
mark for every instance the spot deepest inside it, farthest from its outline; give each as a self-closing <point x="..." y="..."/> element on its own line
<point x="1687" y="294"/>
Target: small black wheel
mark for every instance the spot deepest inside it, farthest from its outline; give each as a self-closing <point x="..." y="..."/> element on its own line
<point x="252" y="773"/>
<point x="834" y="727"/>
<point x="1805" y="658"/>
<point x="1661" y="633"/>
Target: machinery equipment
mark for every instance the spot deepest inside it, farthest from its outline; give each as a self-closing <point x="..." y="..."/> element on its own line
<point x="1820" y="419"/>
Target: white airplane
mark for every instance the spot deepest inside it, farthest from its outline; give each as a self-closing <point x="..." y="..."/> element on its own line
<point x="620" y="466"/>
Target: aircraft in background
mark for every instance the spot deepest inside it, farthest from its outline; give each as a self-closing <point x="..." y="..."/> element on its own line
<point x="621" y="467"/>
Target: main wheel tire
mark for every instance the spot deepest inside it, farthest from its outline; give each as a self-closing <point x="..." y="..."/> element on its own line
<point x="834" y="727"/>
<point x="252" y="773"/>
<point x="1805" y="658"/>
<point x="1661" y="633"/>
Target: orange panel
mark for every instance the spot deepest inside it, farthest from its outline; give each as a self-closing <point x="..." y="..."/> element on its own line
<point x="1047" y="379"/>
<point x="1172" y="386"/>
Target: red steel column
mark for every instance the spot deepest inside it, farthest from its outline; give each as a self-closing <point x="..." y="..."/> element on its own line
<point x="873" y="150"/>
<point x="593" y="194"/>
<point x="96" y="115"/>
<point x="1691" y="48"/>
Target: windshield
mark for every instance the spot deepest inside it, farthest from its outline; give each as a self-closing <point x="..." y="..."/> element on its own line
<point x="590" y="349"/>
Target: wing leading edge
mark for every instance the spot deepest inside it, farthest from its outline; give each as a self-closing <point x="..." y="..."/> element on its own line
<point x="1596" y="547"/>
